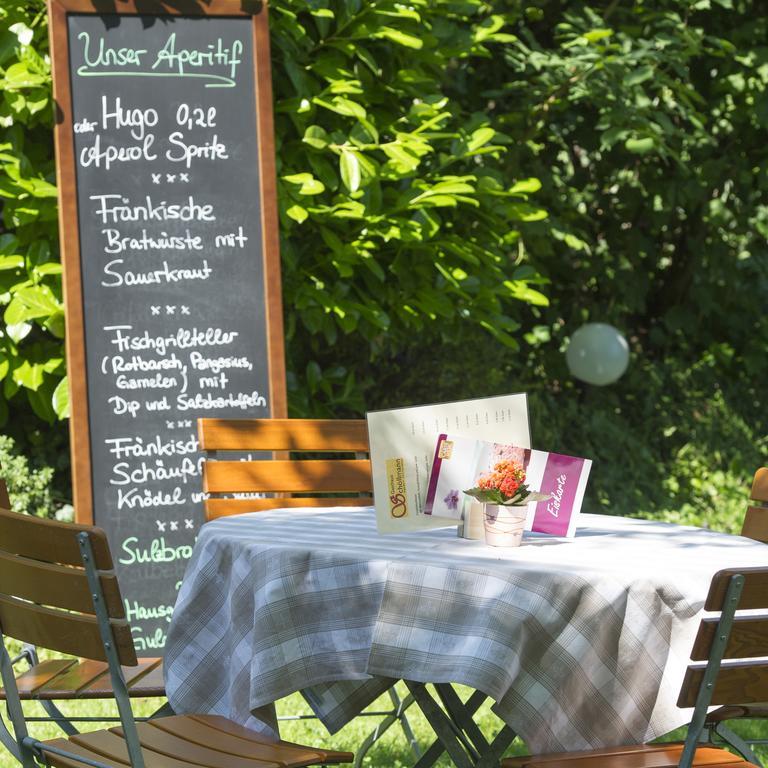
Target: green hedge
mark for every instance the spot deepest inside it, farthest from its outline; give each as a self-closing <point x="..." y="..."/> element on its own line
<point x="462" y="184"/>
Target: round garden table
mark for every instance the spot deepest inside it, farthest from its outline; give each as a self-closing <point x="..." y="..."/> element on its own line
<point x="581" y="643"/>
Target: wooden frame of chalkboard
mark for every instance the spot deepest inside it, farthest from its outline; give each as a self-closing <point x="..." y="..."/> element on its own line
<point x="66" y="162"/>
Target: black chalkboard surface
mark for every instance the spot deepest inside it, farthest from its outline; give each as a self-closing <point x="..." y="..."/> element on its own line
<point x="172" y="277"/>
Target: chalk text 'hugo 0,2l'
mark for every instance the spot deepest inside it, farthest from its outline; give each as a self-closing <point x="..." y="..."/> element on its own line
<point x="143" y="145"/>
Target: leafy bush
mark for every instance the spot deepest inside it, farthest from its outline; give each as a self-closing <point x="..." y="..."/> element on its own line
<point x="31" y="351"/>
<point x="29" y="486"/>
<point x="396" y="215"/>
<point x="644" y="123"/>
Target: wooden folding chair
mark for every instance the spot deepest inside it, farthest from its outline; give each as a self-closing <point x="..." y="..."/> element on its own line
<point x="717" y="732"/>
<point x="756" y="518"/>
<point x="315" y="482"/>
<point x="71" y="679"/>
<point x="336" y="479"/>
<point x="58" y="590"/>
<point x="732" y="643"/>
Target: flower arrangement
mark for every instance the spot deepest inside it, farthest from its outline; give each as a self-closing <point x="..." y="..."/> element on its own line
<point x="505" y="485"/>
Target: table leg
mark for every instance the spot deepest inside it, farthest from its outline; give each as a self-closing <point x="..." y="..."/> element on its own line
<point x="483" y="755"/>
<point x="491" y="758"/>
<point x="436" y="749"/>
<point x="460" y="715"/>
<point x="445" y="729"/>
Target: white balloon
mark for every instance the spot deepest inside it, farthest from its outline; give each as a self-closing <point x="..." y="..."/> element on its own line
<point x="597" y="354"/>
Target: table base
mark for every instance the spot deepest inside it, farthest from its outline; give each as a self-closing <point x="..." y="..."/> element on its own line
<point x="456" y="731"/>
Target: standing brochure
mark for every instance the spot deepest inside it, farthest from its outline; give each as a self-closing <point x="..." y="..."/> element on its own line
<point x="402" y="444"/>
<point x="459" y="462"/>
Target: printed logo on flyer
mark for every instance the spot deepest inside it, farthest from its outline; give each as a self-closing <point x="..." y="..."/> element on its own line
<point x="398" y="504"/>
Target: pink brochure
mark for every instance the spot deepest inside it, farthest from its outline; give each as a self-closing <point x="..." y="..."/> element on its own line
<point x="459" y="462"/>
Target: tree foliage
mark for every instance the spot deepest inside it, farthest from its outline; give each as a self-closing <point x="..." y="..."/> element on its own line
<point x="464" y="183"/>
<point x="645" y="123"/>
<point x="396" y="214"/>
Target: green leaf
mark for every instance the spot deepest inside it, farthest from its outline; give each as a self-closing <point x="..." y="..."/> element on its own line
<point x="56" y="325"/>
<point x="11" y="262"/>
<point x="639" y="146"/>
<point x="316" y="137"/>
<point x="297" y="213"/>
<point x="488" y="28"/>
<point x="480" y="137"/>
<point x="523" y="292"/>
<point x="29" y="375"/>
<point x="342" y="106"/>
<point x="39" y="300"/>
<point x="350" y="170"/>
<point x="399" y="37"/>
<point x="307" y="183"/>
<point x="60" y="399"/>
<point x="640" y="75"/>
<point x="49" y="268"/>
<point x="595" y="35"/>
<point x="525" y="187"/>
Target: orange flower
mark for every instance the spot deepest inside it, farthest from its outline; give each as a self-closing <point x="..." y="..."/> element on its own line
<point x="506" y="476"/>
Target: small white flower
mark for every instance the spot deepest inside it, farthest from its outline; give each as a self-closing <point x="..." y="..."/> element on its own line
<point x="23" y="33"/>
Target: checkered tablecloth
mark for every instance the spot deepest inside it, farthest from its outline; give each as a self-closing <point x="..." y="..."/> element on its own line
<point x="581" y="643"/>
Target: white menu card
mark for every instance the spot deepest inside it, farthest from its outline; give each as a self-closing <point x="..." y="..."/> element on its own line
<point x="403" y="442"/>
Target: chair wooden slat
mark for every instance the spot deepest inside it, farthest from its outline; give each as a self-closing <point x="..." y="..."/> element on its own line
<point x="109" y="745"/>
<point x="318" y="476"/>
<point x="148" y="685"/>
<point x="166" y="743"/>
<point x="148" y="673"/>
<point x="347" y="435"/>
<point x="56" y="585"/>
<point x="41" y="674"/>
<point x="756" y="524"/>
<point x="754" y="595"/>
<point x="742" y="682"/>
<point x="50" y="540"/>
<point x="760" y="485"/>
<point x="75" y="634"/>
<point x="231" y="728"/>
<point x="225" y="507"/>
<point x="65" y="762"/>
<point x="75" y="679"/>
<point x="642" y="756"/>
<point x="748" y="639"/>
<point x="61" y="679"/>
<point x="182" y="741"/>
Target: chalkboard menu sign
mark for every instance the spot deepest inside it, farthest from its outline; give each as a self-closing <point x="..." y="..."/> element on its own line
<point x="172" y="282"/>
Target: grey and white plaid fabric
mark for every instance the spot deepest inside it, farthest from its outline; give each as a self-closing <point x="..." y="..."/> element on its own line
<point x="580" y="643"/>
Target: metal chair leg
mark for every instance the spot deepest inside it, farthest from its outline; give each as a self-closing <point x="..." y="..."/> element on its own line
<point x="737" y="742"/>
<point x="387" y="722"/>
<point x="165" y="711"/>
<point x="58" y="717"/>
<point x="8" y="740"/>
<point x="401" y="705"/>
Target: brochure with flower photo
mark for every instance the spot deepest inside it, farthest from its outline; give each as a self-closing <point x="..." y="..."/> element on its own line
<point x="551" y="484"/>
<point x="402" y="444"/>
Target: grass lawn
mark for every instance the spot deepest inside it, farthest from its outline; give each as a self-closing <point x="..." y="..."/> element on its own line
<point x="391" y="751"/>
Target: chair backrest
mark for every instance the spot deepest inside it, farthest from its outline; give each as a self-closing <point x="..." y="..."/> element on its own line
<point x="58" y="590"/>
<point x="316" y="481"/>
<point x="734" y="646"/>
<point x="756" y="520"/>
<point x="45" y="597"/>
